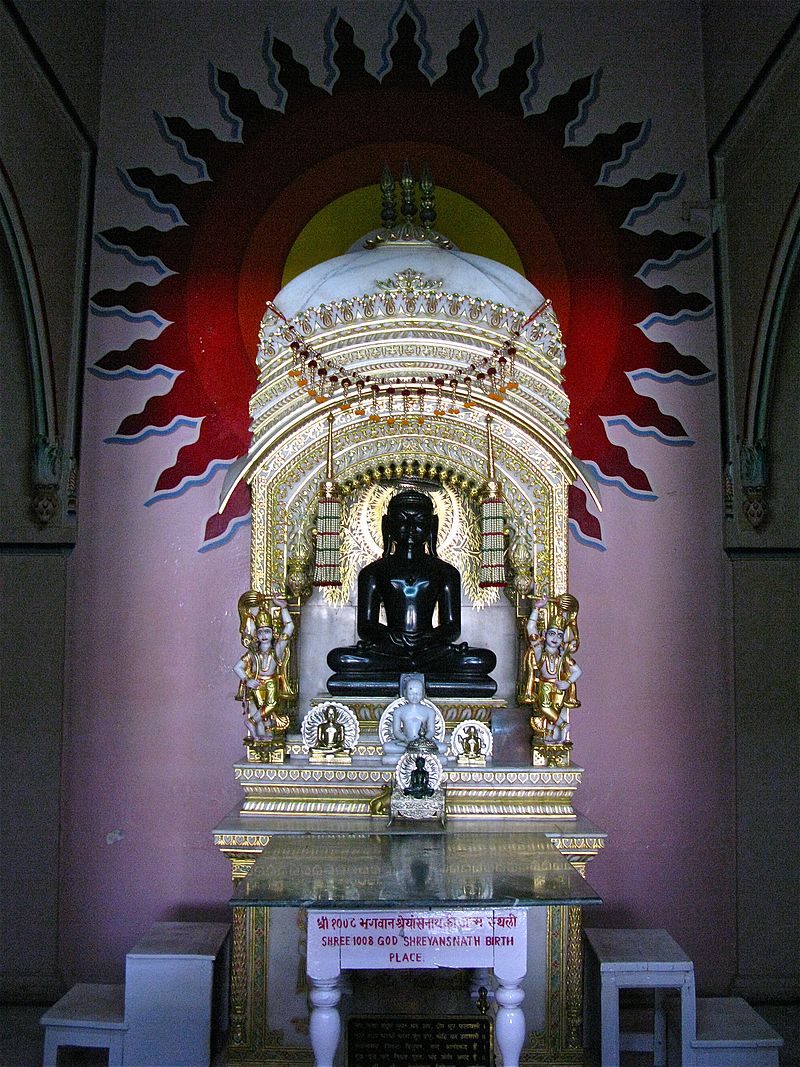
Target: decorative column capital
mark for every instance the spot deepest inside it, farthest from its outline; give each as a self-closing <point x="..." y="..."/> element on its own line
<point x="47" y="464"/>
<point x="754" y="479"/>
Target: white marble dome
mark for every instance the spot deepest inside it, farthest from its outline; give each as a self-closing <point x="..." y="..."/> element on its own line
<point x="357" y="273"/>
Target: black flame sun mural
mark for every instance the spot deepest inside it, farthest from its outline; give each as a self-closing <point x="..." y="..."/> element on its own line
<point x="230" y="231"/>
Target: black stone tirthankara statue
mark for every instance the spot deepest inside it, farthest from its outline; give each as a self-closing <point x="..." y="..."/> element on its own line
<point x="410" y="582"/>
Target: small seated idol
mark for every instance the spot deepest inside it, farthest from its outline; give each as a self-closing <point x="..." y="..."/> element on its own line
<point x="473" y="749"/>
<point x="330" y="733"/>
<point x="412" y="722"/>
<point x="419" y="782"/>
<point x="418" y="791"/>
<point x="411" y="584"/>
<point x="471" y="743"/>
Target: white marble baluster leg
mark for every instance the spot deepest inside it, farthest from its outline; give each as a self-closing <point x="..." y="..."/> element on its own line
<point x="324" y="1024"/>
<point x="324" y="970"/>
<point x="510" y="965"/>
<point x="509" y="1025"/>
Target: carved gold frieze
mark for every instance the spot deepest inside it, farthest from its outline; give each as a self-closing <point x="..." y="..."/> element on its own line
<point x="538" y="340"/>
<point x="289" y="773"/>
<point x="579" y="846"/>
<point x="550" y="754"/>
<point x="241" y="865"/>
<point x="475" y="792"/>
<point x="453" y="709"/>
<point x="241" y="841"/>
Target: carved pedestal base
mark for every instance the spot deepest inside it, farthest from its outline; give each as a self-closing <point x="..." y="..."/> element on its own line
<point x="417" y="807"/>
<point x="368" y="710"/>
<point x="550" y="753"/>
<point x="300" y="788"/>
<point x="266" y="750"/>
<point x="317" y="756"/>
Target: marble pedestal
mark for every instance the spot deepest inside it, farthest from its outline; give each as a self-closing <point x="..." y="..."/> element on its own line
<point x="436" y="686"/>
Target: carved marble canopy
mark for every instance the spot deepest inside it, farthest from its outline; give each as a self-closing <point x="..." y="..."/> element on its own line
<point x="410" y="309"/>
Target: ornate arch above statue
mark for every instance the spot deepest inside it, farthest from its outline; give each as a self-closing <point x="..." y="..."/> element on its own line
<point x="409" y="345"/>
<point x="408" y="362"/>
<point x="286" y="483"/>
<point x="411" y="330"/>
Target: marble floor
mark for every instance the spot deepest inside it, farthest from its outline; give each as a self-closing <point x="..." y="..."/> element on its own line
<point x="21" y="1039"/>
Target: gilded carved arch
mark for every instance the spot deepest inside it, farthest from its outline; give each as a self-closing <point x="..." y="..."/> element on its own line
<point x="284" y="488"/>
<point x="405" y="339"/>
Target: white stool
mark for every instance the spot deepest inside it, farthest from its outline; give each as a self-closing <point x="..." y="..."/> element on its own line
<point x="729" y="1034"/>
<point x="638" y="959"/>
<point x="176" y="993"/>
<point x="89" y="1016"/>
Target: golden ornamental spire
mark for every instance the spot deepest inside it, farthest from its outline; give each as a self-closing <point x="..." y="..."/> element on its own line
<point x="327" y="541"/>
<point x="329" y="455"/>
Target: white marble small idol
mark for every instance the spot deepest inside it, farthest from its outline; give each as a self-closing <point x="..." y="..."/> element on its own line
<point x="404" y="719"/>
<point x="330" y="733"/>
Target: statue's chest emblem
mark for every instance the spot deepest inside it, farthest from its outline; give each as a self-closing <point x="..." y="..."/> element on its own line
<point x="409" y="589"/>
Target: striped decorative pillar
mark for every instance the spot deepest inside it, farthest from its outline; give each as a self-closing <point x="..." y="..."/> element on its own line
<point x="493" y="523"/>
<point x="327" y="546"/>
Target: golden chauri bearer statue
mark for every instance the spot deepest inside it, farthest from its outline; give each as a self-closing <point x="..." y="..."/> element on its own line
<point x="548" y="671"/>
<point x="259" y="668"/>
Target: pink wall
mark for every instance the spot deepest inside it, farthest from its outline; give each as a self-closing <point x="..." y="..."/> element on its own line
<point x="151" y="728"/>
<point x="655" y="732"/>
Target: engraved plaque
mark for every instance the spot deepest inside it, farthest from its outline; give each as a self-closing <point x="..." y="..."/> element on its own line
<point x="419" y="1041"/>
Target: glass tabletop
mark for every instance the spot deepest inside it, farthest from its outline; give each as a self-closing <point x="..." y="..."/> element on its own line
<point x="423" y="869"/>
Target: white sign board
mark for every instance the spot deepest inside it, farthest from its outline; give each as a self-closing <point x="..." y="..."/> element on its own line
<point x="397" y="940"/>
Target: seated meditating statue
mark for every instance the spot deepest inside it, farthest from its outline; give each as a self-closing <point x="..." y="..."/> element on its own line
<point x="419" y="782"/>
<point x="412" y="723"/>
<point x="410" y="583"/>
<point x="330" y="734"/>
